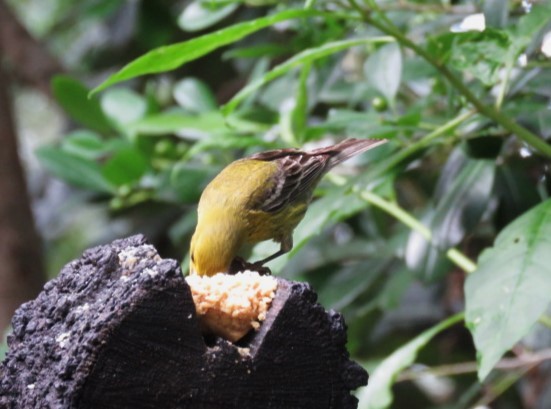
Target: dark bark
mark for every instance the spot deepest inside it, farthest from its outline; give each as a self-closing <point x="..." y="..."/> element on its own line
<point x="117" y="329"/>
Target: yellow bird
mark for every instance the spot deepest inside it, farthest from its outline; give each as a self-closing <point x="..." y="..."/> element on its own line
<point x="258" y="198"/>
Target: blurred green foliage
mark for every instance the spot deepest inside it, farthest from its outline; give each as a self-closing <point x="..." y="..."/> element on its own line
<point x="392" y="236"/>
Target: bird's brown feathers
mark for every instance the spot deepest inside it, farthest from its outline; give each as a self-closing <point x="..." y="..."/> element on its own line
<point x="300" y="171"/>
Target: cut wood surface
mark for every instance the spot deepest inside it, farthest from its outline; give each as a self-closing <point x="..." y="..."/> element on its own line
<point x="118" y="329"/>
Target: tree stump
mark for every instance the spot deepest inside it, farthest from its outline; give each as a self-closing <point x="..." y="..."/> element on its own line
<point x="118" y="329"/>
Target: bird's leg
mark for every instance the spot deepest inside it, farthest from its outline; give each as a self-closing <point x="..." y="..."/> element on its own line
<point x="239" y="264"/>
<point x="286" y="246"/>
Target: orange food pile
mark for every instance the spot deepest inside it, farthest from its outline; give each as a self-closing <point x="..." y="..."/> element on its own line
<point x="231" y="305"/>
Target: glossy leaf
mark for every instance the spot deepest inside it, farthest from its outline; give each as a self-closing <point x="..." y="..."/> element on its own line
<point x="461" y="197"/>
<point x="304" y="57"/>
<point x="530" y="24"/>
<point x="378" y="393"/>
<point x="346" y="286"/>
<point x="84" y="144"/>
<point x="73" y="98"/>
<point x="496" y="13"/>
<point x="511" y="288"/>
<point x="198" y="15"/>
<point x="257" y="51"/>
<point x="173" y="56"/>
<point x="383" y="70"/>
<point x="299" y="113"/>
<point x="463" y="203"/>
<point x="334" y="206"/>
<point x="194" y="95"/>
<point x="227" y="141"/>
<point x="515" y="191"/>
<point x="422" y="257"/>
<point x="481" y="54"/>
<point x="74" y="170"/>
<point x="125" y="166"/>
<point x="179" y="122"/>
<point x="123" y="106"/>
<point x="357" y="125"/>
<point x="185" y="182"/>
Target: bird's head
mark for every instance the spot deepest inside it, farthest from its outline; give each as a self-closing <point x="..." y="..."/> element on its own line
<point x="213" y="247"/>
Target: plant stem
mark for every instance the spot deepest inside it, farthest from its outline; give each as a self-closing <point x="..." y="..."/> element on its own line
<point x="545" y="320"/>
<point x="504" y="83"/>
<point x="500" y="386"/>
<point x="422" y="143"/>
<point x="457" y="257"/>
<point x="487" y="110"/>
<point x="506" y="364"/>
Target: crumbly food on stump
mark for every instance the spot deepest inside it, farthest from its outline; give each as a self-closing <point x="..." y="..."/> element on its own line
<point x="231" y="305"/>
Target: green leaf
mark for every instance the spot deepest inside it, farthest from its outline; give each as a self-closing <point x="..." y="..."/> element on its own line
<point x="516" y="191"/>
<point x="84" y="144"/>
<point x="74" y="170"/>
<point x="482" y="55"/>
<point x="125" y="166"/>
<point x="378" y="393"/>
<point x="383" y="70"/>
<point x="357" y="124"/>
<point x="336" y="205"/>
<point x="305" y="57"/>
<point x="463" y="203"/>
<point x="179" y="122"/>
<point x="530" y="24"/>
<point x="198" y="15"/>
<point x="422" y="257"/>
<point x="194" y="95"/>
<point x="123" y="106"/>
<point x="511" y="287"/>
<point x="299" y="114"/>
<point x="248" y="121"/>
<point x="184" y="183"/>
<point x="346" y="286"/>
<point x="496" y="13"/>
<point x="173" y="56"/>
<point x="461" y="198"/>
<point x="73" y="98"/>
<point x="227" y="142"/>
<point x="257" y="51"/>
<point x="392" y="294"/>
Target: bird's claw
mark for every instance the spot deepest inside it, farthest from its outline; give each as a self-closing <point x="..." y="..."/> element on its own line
<point x="240" y="264"/>
<point x="260" y="269"/>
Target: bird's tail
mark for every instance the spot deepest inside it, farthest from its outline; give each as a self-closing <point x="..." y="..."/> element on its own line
<point x="346" y="149"/>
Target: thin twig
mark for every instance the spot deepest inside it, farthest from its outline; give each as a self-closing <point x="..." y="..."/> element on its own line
<point x="506" y="364"/>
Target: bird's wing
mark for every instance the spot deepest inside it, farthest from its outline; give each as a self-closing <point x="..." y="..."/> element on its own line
<point x="298" y="172"/>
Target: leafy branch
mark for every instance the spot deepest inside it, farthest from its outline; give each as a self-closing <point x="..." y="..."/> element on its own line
<point x="386" y="26"/>
<point x="456" y="256"/>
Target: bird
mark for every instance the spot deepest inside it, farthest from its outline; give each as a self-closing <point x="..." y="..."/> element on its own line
<point x="261" y="197"/>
